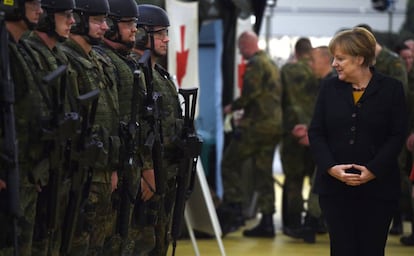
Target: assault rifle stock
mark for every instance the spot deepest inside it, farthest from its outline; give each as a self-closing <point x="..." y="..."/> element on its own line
<point x="9" y="148"/>
<point x="190" y="144"/>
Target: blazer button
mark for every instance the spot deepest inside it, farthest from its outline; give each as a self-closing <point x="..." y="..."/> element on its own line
<point x="358" y="105"/>
<point x="353" y="115"/>
<point x="351" y="142"/>
<point x="353" y="128"/>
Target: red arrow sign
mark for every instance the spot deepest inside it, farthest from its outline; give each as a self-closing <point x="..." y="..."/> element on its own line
<point x="182" y="57"/>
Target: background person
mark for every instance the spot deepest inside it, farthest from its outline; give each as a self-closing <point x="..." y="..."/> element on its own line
<point x="260" y="132"/>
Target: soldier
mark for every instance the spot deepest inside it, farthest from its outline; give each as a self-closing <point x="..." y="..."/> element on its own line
<point x="300" y="88"/>
<point x="152" y="35"/>
<point x="260" y="132"/>
<point x="320" y="64"/>
<point x="28" y="112"/>
<point x="406" y="54"/>
<point x="88" y="31"/>
<point x="53" y="26"/>
<point x="118" y="42"/>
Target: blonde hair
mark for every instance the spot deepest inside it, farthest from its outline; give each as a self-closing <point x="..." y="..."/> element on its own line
<point x="357" y="41"/>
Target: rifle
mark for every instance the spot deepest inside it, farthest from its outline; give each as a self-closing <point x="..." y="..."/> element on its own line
<point x="190" y="144"/>
<point x="83" y="156"/>
<point x="153" y="105"/>
<point x="129" y="135"/>
<point x="61" y="128"/>
<point x="10" y="151"/>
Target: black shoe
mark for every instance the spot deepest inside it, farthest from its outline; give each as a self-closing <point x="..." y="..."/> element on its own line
<point x="264" y="229"/>
<point x="396" y="229"/>
<point x="407" y="240"/>
<point x="307" y="234"/>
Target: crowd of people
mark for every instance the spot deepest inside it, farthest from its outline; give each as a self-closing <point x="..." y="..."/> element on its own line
<point x="98" y="151"/>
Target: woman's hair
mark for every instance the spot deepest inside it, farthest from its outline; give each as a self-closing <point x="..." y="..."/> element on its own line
<point x="357" y="41"/>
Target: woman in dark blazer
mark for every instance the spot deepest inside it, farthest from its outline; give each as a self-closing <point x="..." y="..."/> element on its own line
<point x="356" y="134"/>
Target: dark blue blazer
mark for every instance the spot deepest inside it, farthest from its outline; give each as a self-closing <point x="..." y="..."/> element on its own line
<point x="370" y="133"/>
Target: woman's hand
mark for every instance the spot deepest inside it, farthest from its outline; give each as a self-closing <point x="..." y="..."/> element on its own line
<point x="348" y="173"/>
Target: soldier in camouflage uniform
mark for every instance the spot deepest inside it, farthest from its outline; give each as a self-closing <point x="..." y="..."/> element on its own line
<point x="260" y="130"/>
<point x="89" y="72"/>
<point x="28" y="113"/>
<point x="118" y="42"/>
<point x="389" y="63"/>
<point x="40" y="44"/>
<point x="407" y="55"/>
<point x="320" y="64"/>
<point x="300" y="88"/>
<point x="153" y="26"/>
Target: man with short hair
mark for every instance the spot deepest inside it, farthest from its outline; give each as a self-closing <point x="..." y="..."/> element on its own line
<point x="86" y="63"/>
<point x="260" y="131"/>
<point x="41" y="44"/>
<point x="27" y="113"/>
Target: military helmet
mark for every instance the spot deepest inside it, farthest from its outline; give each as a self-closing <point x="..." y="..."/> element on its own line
<point x="14" y="12"/>
<point x="152" y="15"/>
<point x="58" y="5"/>
<point x="123" y="8"/>
<point x="83" y="10"/>
<point x="92" y="6"/>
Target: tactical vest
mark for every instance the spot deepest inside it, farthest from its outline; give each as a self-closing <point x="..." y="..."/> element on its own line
<point x="124" y="77"/>
<point x="29" y="111"/>
<point x="172" y="121"/>
<point x="43" y="61"/>
<point x="90" y="76"/>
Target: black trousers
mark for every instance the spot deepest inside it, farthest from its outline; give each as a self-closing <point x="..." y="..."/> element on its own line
<point x="358" y="226"/>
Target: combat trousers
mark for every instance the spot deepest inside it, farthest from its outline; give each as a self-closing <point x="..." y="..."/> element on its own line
<point x="297" y="163"/>
<point x="25" y="224"/>
<point x="97" y="222"/>
<point x="163" y="226"/>
<point x="261" y="150"/>
<point x="45" y="240"/>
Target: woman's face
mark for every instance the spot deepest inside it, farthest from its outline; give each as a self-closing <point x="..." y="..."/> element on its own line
<point x="345" y="64"/>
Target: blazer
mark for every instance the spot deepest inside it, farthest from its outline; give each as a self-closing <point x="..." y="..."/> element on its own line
<point x="370" y="133"/>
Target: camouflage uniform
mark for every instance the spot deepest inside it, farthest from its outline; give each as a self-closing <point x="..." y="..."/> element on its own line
<point x="259" y="132"/>
<point x="124" y="64"/>
<point x="46" y="61"/>
<point x="300" y="88"/>
<point x="29" y="109"/>
<point x="389" y="63"/>
<point x="90" y="75"/>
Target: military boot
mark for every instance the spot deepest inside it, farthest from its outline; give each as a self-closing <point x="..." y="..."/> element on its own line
<point x="230" y="217"/>
<point x="409" y="240"/>
<point x="264" y="229"/>
<point x="307" y="231"/>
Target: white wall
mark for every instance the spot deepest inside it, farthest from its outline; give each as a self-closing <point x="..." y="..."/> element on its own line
<point x="319" y="20"/>
<point x="325" y="17"/>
